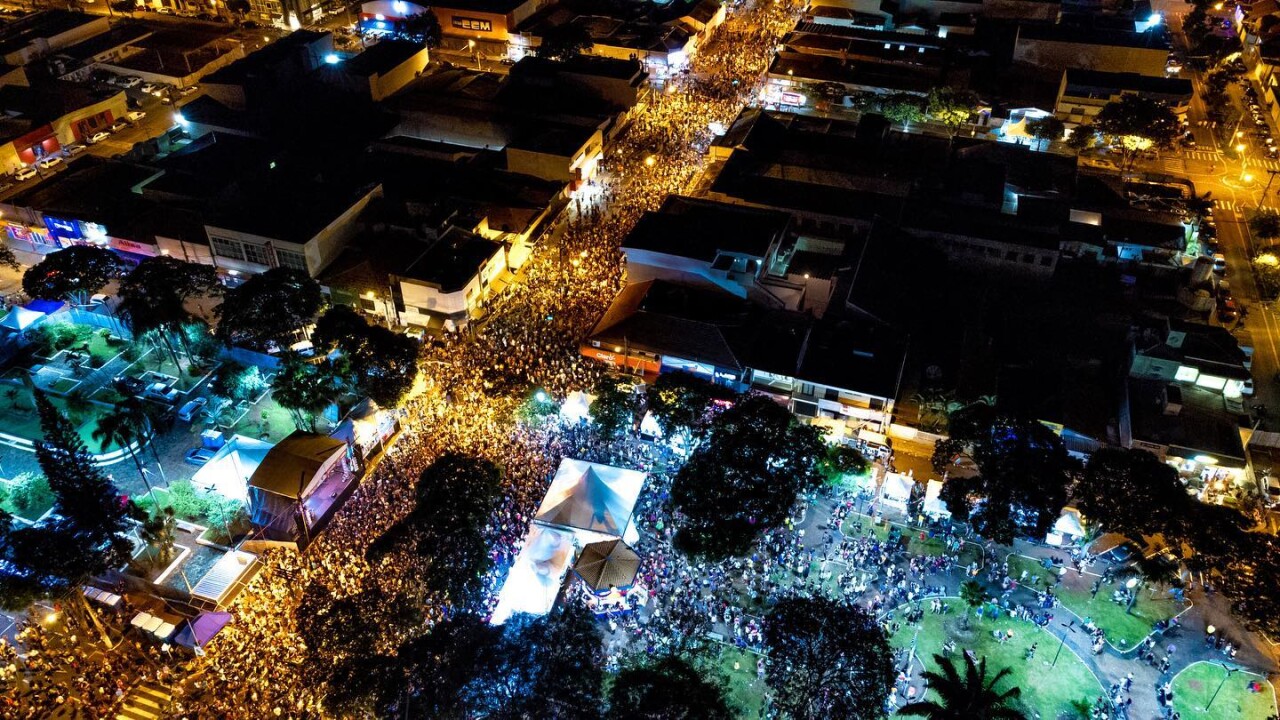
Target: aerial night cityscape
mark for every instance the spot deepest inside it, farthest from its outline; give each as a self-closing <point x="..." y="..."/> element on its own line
<point x="640" y="359"/>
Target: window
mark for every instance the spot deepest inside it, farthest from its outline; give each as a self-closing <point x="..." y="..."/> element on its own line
<point x="290" y="259"/>
<point x="831" y="394"/>
<point x="256" y="254"/>
<point x="226" y="248"/>
<point x="806" y="389"/>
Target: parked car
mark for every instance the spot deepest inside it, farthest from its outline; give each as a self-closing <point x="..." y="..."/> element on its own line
<point x="192" y="409"/>
<point x="49" y="162"/>
<point x="25" y="173"/>
<point x="1248" y="356"/>
<point x="129" y="81"/>
<point x="188" y="90"/>
<point x="1273" y="489"/>
<point x="130" y="385"/>
<point x="136" y="115"/>
<point x="1220" y="263"/>
<point x="250" y="25"/>
<point x="73" y="149"/>
<point x="119" y="125"/>
<point x="97" y="137"/>
<point x="1246" y="388"/>
<point x="161" y="393"/>
<point x="200" y="456"/>
<point x="147" y="87"/>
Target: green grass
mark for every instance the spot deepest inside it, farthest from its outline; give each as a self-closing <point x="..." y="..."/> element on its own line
<point x="1048" y="691"/>
<point x="1124" y="629"/>
<point x="932" y="547"/>
<point x="1194" y="686"/>
<point x="18" y="417"/>
<point x="279" y="423"/>
<point x="746" y="690"/>
<point x="41" y="500"/>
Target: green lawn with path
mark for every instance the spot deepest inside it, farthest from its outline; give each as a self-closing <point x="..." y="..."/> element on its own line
<point x="1060" y="691"/>
<point x="1195" y="686"/>
<point x="746" y="689"/>
<point x="18" y="417"/>
<point x="931" y="547"/>
<point x="1124" y="628"/>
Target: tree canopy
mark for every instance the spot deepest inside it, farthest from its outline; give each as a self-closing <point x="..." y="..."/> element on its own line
<point x="1024" y="472"/>
<point x="1131" y="492"/>
<point x="680" y="402"/>
<point x="1136" y="123"/>
<point x="443" y="536"/>
<point x="384" y="363"/>
<point x="306" y="389"/>
<point x="613" y="410"/>
<point x="85" y="537"/>
<point x="950" y="107"/>
<point x="565" y="42"/>
<point x="744" y="479"/>
<point x="827" y="659"/>
<point x="423" y="27"/>
<point x="268" y="309"/>
<point x="670" y="689"/>
<point x="72" y="273"/>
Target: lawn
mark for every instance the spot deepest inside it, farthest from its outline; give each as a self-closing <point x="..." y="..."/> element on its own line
<point x="18" y="417"/>
<point x="1051" y="692"/>
<point x="746" y="689"/>
<point x="1195" y="686"/>
<point x="278" y="423"/>
<point x="157" y="360"/>
<point x="1124" y="629"/>
<point x="26" y="497"/>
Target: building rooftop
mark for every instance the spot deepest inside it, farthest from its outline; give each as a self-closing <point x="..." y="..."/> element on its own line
<point x="452" y="261"/>
<point x="266" y="57"/>
<point x="382" y="58"/>
<point x="1201" y="427"/>
<point x="613" y="68"/>
<point x="500" y="7"/>
<point x="1097" y="83"/>
<point x="20" y="33"/>
<point x="702" y="229"/>
<point x="122" y="34"/>
<point x="1086" y="34"/>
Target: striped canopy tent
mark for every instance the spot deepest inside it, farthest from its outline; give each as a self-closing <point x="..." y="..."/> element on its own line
<point x="607" y="564"/>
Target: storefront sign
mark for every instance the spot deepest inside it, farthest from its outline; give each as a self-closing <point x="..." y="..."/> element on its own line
<point x="473" y="24"/>
<point x="132" y="247"/>
<point x="66" y="229"/>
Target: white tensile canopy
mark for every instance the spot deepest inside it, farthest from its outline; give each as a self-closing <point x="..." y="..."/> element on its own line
<point x="933" y="505"/>
<point x="228" y="471"/>
<point x="534" y="579"/>
<point x="594" y="501"/>
<point x="896" y="490"/>
<point x="20" y="318"/>
<point x="576" y="407"/>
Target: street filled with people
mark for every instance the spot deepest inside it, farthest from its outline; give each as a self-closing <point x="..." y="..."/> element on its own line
<point x="477" y="384"/>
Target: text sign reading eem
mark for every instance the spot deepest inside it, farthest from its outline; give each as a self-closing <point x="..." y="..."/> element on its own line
<point x="476" y="24"/>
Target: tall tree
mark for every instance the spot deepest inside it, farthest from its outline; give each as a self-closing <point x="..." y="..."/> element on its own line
<point x="424" y="28"/>
<point x="1046" y="129"/>
<point x="436" y="668"/>
<point x="745" y="478"/>
<point x="613" y="410"/>
<point x="1131" y="492"/>
<point x="976" y="696"/>
<point x="129" y="426"/>
<point x="153" y="297"/>
<point x="668" y="689"/>
<point x="384" y="363"/>
<point x="1265" y="224"/>
<point x="1136" y="123"/>
<point x="565" y="42"/>
<point x="72" y="274"/>
<point x="307" y="389"/>
<point x="444" y="536"/>
<point x="86" y="535"/>
<point x="1023" y="473"/>
<point x="544" y="667"/>
<point x="680" y="402"/>
<point x="827" y="659"/>
<point x="268" y="309"/>
<point x="950" y="107"/>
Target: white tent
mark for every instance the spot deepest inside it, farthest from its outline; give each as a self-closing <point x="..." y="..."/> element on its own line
<point x="1068" y="529"/>
<point x="593" y="501"/>
<point x="576" y="407"/>
<point x="896" y="490"/>
<point x="228" y="471"/>
<point x="20" y="318"/>
<point x="221" y="580"/>
<point x="933" y="505"/>
<point x="534" y="579"/>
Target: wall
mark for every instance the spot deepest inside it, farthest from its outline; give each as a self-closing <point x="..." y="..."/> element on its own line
<point x="469" y="24"/>
<point x="112" y="108"/>
<point x="235" y="53"/>
<point x="382" y="86"/>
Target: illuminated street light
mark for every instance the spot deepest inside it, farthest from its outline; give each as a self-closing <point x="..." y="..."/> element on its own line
<point x="650" y="161"/>
<point x="1240" y="148"/>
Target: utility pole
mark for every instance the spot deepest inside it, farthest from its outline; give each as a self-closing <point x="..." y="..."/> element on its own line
<point x="1270" y="179"/>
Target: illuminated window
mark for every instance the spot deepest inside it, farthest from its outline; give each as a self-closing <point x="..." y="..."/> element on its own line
<point x="1186" y="374"/>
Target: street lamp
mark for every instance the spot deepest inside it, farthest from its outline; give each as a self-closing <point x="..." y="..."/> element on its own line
<point x="1230" y="672"/>
<point x="1133" y="594"/>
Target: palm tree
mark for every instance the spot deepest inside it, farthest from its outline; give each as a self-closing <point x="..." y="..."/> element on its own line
<point x="973" y="595"/>
<point x="127" y="426"/>
<point x="973" y="697"/>
<point x="160" y="532"/>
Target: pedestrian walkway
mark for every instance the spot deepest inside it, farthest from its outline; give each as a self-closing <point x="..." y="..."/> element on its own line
<point x="1205" y="155"/>
<point x="147" y="702"/>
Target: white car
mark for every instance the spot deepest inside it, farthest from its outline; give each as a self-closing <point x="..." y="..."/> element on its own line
<point x="129" y="81"/>
<point x="148" y="87"/>
<point x="73" y="149"/>
<point x="1248" y="356"/>
<point x="49" y="162"/>
<point x="188" y="90"/>
<point x="135" y="116"/>
<point x="1219" y="263"/>
<point x="25" y="173"/>
<point x="98" y="137"/>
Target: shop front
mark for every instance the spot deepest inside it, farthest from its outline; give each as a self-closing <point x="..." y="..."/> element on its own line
<point x="38" y="143"/>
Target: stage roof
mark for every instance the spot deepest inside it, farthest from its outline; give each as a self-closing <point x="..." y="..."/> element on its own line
<point x="590" y="496"/>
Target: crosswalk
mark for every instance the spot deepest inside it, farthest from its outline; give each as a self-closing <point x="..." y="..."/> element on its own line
<point x="146" y="702"/>
<point x="1204" y="155"/>
<point x="1267" y="164"/>
<point x="1241" y="206"/>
